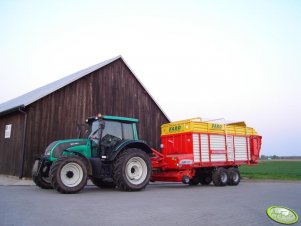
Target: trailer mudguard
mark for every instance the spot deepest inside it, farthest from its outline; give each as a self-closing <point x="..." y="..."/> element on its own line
<point x="126" y="144"/>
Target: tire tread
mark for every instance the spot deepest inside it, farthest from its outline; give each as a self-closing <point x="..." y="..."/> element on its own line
<point x="55" y="181"/>
<point x="118" y="169"/>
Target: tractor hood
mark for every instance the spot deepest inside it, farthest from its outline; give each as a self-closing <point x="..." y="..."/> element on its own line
<point x="61" y="147"/>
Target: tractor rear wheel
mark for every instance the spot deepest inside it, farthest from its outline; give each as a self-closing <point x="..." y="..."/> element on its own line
<point x="132" y="170"/>
<point x="103" y="183"/>
<point x="234" y="176"/>
<point x="68" y="174"/>
<point x="220" y="177"/>
<point x="38" y="179"/>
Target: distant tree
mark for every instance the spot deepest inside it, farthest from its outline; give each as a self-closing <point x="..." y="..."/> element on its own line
<point x="275" y="157"/>
<point x="263" y="157"/>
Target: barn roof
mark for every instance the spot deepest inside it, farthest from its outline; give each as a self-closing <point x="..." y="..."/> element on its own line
<point x="30" y="97"/>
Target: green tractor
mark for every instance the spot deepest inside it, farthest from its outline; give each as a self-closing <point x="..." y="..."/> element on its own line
<point x="111" y="156"/>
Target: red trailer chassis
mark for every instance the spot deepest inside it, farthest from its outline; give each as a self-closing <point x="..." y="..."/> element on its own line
<point x="189" y="155"/>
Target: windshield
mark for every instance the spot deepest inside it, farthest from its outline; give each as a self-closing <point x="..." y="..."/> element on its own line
<point x="112" y="128"/>
<point x="93" y="130"/>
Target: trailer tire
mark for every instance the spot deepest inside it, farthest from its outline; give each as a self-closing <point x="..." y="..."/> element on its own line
<point x="132" y="170"/>
<point x="102" y="183"/>
<point x="205" y="180"/>
<point x="38" y="179"/>
<point x="220" y="177"/>
<point x="194" y="181"/>
<point x="68" y="174"/>
<point x="234" y="176"/>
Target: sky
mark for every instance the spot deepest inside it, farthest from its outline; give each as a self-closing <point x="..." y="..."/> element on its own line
<point x="238" y="60"/>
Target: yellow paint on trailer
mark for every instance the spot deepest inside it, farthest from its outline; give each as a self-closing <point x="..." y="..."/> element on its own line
<point x="197" y="125"/>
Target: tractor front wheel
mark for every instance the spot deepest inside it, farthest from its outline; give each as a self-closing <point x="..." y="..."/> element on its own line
<point x="38" y="179"/>
<point x="68" y="174"/>
<point x="132" y="170"/>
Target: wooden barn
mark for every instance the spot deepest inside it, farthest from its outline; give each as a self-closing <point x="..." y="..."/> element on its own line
<point x="30" y="122"/>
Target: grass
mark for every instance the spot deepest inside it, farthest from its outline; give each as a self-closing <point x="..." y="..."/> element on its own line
<point x="273" y="169"/>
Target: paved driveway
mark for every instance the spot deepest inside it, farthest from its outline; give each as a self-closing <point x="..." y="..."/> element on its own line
<point x="160" y="204"/>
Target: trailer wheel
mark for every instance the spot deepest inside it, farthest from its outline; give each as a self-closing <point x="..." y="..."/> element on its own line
<point x="132" y="170"/>
<point x="68" y="174"/>
<point x="102" y="183"/>
<point x="234" y="176"/>
<point x="38" y="179"/>
<point x="220" y="177"/>
<point x="194" y="181"/>
<point x="205" y="180"/>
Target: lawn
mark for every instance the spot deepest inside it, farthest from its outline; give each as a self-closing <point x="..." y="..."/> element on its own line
<point x="273" y="169"/>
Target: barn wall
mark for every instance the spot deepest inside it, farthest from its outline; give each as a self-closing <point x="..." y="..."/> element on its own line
<point x="111" y="90"/>
<point x="11" y="148"/>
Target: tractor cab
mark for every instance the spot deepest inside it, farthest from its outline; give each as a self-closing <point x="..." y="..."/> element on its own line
<point x="106" y="132"/>
<point x="120" y="127"/>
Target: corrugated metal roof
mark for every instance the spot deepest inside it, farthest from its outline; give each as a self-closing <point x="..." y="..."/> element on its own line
<point x="30" y="97"/>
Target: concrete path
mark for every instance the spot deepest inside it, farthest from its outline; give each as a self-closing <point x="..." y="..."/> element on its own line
<point x="12" y="180"/>
<point x="166" y="204"/>
<point x="6" y="180"/>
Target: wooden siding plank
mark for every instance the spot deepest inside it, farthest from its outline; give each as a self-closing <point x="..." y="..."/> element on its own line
<point x="111" y="90"/>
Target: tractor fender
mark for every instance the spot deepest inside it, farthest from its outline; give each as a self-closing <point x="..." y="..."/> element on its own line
<point x="86" y="160"/>
<point x="130" y="144"/>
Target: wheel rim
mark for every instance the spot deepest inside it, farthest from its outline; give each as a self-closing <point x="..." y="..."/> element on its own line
<point x="224" y="177"/>
<point x="136" y="170"/>
<point x="71" y="174"/>
<point x="235" y="176"/>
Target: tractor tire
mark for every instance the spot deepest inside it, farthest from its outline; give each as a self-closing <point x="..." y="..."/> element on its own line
<point x="220" y="177"/>
<point x="68" y="174"/>
<point x="102" y="183"/>
<point x="205" y="180"/>
<point x="194" y="181"/>
<point x="42" y="182"/>
<point x="234" y="176"/>
<point x="132" y="170"/>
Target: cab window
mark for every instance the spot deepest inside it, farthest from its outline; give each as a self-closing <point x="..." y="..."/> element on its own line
<point x="112" y="128"/>
<point x="127" y="131"/>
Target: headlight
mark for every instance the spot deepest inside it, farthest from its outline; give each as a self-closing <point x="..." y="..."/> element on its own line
<point x="48" y="149"/>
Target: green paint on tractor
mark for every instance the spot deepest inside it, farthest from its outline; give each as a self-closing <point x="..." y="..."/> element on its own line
<point x="99" y="155"/>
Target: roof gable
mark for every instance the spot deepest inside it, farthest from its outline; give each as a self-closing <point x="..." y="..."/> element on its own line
<point x="34" y="95"/>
